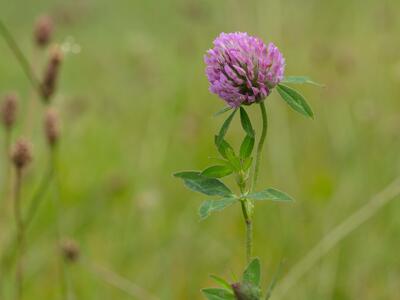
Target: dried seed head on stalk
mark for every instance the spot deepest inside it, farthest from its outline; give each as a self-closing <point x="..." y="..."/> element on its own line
<point x="70" y="250"/>
<point x="52" y="126"/>
<point x="21" y="153"/>
<point x="43" y="30"/>
<point x="9" y="110"/>
<point x="48" y="85"/>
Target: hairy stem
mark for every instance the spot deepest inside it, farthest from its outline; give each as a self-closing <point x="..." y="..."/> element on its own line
<point x="260" y="144"/>
<point x="20" y="234"/>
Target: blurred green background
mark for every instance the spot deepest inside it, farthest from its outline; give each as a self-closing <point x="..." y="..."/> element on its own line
<point x="135" y="107"/>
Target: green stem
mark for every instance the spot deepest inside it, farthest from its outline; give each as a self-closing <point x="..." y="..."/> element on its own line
<point x="249" y="230"/>
<point x="246" y="203"/>
<point x="260" y="144"/>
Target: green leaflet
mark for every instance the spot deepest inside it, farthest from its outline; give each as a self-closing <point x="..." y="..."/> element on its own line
<point x="195" y="181"/>
<point x="247" y="146"/>
<point x="252" y="274"/>
<point x="270" y="194"/>
<point x="246" y="123"/>
<point x="218" y="294"/>
<point x="295" y="100"/>
<point x="210" y="206"/>
<point x="224" y="128"/>
<point x="300" y="80"/>
<point x="217" y="171"/>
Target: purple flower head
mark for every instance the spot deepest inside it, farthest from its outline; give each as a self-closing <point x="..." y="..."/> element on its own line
<point x="241" y="69"/>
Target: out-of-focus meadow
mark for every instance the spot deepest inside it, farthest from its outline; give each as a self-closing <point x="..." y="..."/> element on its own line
<point x="135" y="107"/>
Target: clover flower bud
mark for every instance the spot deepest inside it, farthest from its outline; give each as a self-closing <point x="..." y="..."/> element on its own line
<point x="70" y="250"/>
<point x="43" y="30"/>
<point x="9" y="110"/>
<point x="241" y="69"/>
<point x="21" y="153"/>
<point x="52" y="126"/>
<point x="48" y="85"/>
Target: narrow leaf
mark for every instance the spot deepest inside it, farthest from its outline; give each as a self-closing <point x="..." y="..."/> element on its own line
<point x="225" y="127"/>
<point x="252" y="274"/>
<point x="270" y="194"/>
<point x="217" y="171"/>
<point x="223" y="147"/>
<point x="217" y="294"/>
<point x="247" y="146"/>
<point x="300" y="80"/>
<point x="295" y="100"/>
<point x="202" y="184"/>
<point x="245" y="120"/>
<point x="210" y="206"/>
<point x="222" y="111"/>
<point x="222" y="282"/>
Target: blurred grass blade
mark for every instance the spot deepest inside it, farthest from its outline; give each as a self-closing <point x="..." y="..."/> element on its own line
<point x="274" y="280"/>
<point x="211" y="206"/>
<point x="246" y="123"/>
<point x="217" y="171"/>
<point x="222" y="111"/>
<point x="295" y="100"/>
<point x="270" y="194"/>
<point x="225" y="127"/>
<point x="252" y="274"/>
<point x="301" y="80"/>
<point x="209" y="186"/>
<point x="218" y="294"/>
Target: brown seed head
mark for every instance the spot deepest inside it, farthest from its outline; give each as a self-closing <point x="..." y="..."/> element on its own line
<point x="70" y="250"/>
<point x="48" y="85"/>
<point x="21" y="153"/>
<point x="9" y="110"/>
<point x="52" y="126"/>
<point x="43" y="30"/>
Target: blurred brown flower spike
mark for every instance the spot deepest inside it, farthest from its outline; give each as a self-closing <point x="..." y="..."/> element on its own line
<point x="21" y="154"/>
<point x="70" y="250"/>
<point x="43" y="30"/>
<point x="9" y="110"/>
<point x="48" y="85"/>
<point x="52" y="126"/>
